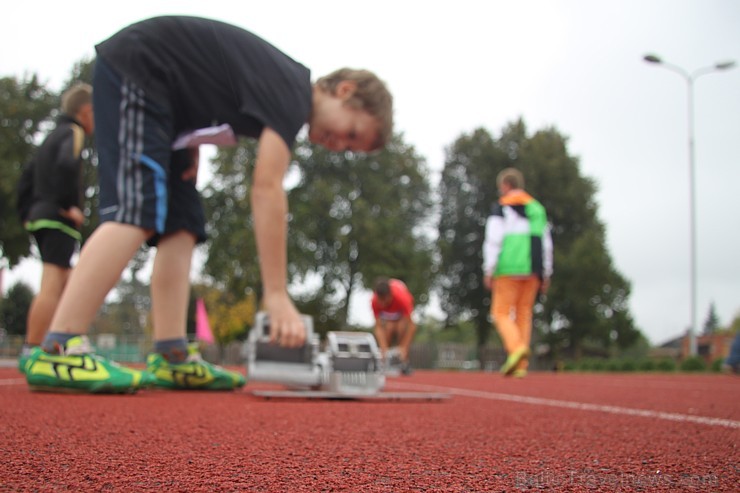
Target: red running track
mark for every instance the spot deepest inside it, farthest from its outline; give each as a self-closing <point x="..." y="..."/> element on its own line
<point x="548" y="432"/>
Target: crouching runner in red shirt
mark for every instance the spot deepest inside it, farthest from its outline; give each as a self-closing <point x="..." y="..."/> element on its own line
<point x="393" y="305"/>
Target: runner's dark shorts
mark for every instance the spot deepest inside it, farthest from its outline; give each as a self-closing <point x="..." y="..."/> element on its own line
<point x="139" y="174"/>
<point x="56" y="247"/>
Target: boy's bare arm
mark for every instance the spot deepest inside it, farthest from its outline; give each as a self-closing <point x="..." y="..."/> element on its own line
<point x="270" y="209"/>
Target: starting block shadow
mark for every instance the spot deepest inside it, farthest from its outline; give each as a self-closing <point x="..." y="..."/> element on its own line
<point x="328" y="395"/>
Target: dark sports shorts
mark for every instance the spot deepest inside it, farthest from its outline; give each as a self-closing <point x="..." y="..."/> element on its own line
<point x="139" y="174"/>
<point x="55" y="247"/>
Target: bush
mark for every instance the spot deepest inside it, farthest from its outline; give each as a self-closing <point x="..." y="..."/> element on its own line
<point x="666" y="364"/>
<point x="693" y="363"/>
<point x="646" y="365"/>
<point x="628" y="365"/>
<point x="598" y="365"/>
<point x="717" y="365"/>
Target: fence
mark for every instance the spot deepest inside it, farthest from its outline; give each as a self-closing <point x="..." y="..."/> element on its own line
<point x="133" y="349"/>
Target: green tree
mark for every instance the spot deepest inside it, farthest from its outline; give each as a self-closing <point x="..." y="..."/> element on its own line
<point x="734" y="326"/>
<point x="355" y="217"/>
<point x="231" y="264"/>
<point x="229" y="317"/>
<point x="352" y="218"/>
<point x="711" y="324"/>
<point x="466" y="191"/>
<point x="14" y="309"/>
<point x="26" y="109"/>
<point x="588" y="298"/>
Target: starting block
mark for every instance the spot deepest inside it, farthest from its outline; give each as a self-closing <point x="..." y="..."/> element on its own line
<point x="351" y="367"/>
<point x="355" y="363"/>
<point x="294" y="367"/>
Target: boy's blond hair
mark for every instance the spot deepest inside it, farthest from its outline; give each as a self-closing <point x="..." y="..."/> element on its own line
<point x="371" y="95"/>
<point x="512" y="177"/>
<point x="75" y="98"/>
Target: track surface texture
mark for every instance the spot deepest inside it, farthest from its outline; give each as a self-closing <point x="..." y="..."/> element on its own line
<point x="548" y="432"/>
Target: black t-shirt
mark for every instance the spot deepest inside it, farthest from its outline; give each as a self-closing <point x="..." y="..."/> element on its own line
<point x="209" y="72"/>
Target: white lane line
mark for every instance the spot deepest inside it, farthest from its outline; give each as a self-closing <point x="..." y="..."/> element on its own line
<point x="581" y="406"/>
<point x="12" y="381"/>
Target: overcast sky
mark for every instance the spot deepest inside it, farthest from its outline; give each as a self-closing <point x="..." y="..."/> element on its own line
<point x="575" y="65"/>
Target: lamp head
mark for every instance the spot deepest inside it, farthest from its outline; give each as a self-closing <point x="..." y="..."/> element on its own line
<point x="652" y="59"/>
<point x="725" y="65"/>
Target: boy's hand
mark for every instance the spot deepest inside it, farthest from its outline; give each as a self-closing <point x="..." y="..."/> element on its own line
<point x="286" y="325"/>
<point x="545" y="285"/>
<point x="191" y="174"/>
<point x="74" y="214"/>
<point x="488" y="282"/>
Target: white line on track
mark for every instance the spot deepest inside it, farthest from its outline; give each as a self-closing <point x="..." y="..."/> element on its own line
<point x="12" y="381"/>
<point x="581" y="406"/>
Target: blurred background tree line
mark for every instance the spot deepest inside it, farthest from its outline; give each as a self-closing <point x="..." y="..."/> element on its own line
<point x="354" y="217"/>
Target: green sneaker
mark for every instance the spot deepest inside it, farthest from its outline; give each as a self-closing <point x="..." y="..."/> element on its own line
<point x="78" y="369"/>
<point x="194" y="374"/>
<point x="23" y="359"/>
<point x="513" y="360"/>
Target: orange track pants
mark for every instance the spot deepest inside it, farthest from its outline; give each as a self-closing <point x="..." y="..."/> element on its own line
<point x="511" y="309"/>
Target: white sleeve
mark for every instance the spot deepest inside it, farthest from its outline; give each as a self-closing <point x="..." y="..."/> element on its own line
<point x="547" y="252"/>
<point x="492" y="243"/>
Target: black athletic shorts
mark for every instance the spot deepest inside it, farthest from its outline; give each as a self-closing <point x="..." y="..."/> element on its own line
<point x="139" y="173"/>
<point x="55" y="247"/>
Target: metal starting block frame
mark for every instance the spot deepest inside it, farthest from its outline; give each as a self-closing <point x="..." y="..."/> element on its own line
<point x="350" y="368"/>
<point x="294" y="367"/>
<point x="356" y="366"/>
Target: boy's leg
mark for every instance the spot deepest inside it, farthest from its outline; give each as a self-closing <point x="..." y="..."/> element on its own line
<point x="67" y="361"/>
<point x="56" y="249"/>
<point x="174" y="363"/>
<point x="525" y="304"/>
<point x="101" y="263"/>
<point x="171" y="285"/>
<point x="405" y="336"/>
<point x="505" y="298"/>
<point x="44" y="304"/>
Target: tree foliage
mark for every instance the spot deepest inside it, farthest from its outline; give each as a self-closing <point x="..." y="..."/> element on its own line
<point x="229" y="317"/>
<point x="14" y="309"/>
<point x="232" y="263"/>
<point x="353" y="217"/>
<point x="26" y="110"/>
<point x="711" y="323"/>
<point x="587" y="302"/>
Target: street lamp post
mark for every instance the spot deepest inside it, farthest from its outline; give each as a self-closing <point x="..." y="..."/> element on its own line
<point x="690" y="77"/>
